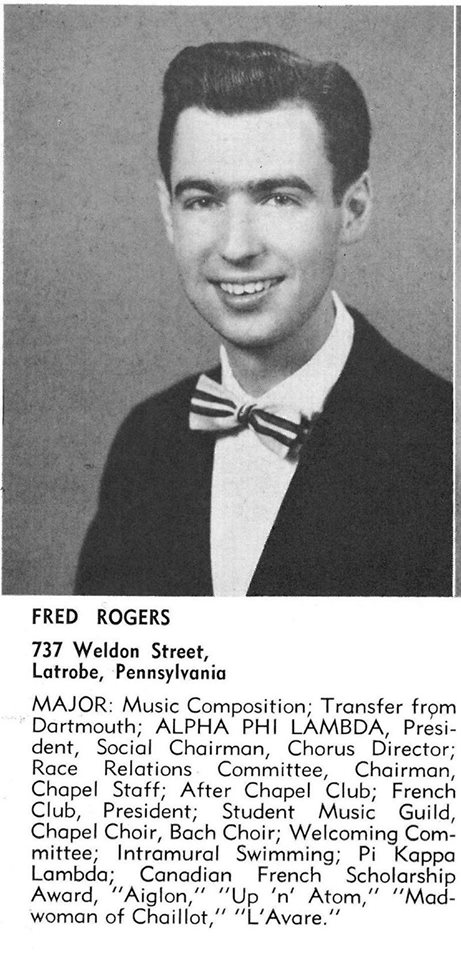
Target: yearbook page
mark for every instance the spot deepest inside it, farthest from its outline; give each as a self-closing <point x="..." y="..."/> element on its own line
<point x="230" y="693"/>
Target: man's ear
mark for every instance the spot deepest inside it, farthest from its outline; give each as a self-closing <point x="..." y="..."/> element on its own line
<point x="356" y="206"/>
<point x="165" y="207"/>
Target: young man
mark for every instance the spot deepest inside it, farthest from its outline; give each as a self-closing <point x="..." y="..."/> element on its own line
<point x="317" y="459"/>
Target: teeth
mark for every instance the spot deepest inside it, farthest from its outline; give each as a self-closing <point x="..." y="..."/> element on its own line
<point x="238" y="289"/>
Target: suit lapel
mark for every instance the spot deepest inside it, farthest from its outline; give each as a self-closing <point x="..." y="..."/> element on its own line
<point x="187" y="500"/>
<point x="289" y="561"/>
<point x="307" y="547"/>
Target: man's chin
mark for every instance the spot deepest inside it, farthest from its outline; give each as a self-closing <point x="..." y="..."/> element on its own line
<point x="244" y="330"/>
<point x="250" y="341"/>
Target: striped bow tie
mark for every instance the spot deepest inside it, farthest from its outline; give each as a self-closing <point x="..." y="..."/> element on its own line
<point x="213" y="408"/>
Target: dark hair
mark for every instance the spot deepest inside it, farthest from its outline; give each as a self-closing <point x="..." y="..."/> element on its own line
<point x="248" y="77"/>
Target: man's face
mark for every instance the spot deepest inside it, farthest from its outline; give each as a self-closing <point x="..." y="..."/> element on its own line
<point x="253" y="221"/>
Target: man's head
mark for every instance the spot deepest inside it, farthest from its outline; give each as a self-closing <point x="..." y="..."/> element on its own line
<point x="264" y="158"/>
<point x="250" y="77"/>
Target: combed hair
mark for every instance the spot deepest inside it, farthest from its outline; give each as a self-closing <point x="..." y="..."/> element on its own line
<point x="250" y="77"/>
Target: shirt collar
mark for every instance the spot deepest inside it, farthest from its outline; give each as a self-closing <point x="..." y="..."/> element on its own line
<point x="307" y="388"/>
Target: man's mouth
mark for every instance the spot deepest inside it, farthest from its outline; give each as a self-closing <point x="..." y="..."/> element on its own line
<point x="247" y="288"/>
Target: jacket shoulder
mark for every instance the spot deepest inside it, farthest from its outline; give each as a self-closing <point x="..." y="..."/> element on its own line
<point x="393" y="373"/>
<point x="150" y="433"/>
<point x="171" y="402"/>
<point x="160" y="414"/>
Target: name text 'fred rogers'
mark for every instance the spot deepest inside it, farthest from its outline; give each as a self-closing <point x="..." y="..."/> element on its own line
<point x="142" y="617"/>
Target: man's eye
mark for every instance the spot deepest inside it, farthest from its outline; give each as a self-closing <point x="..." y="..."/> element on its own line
<point x="282" y="200"/>
<point x="200" y="203"/>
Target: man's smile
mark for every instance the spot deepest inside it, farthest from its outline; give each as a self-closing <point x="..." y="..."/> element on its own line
<point x="239" y="287"/>
<point x="241" y="294"/>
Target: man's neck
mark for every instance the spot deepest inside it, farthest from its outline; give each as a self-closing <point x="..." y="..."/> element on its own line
<point x="259" y="369"/>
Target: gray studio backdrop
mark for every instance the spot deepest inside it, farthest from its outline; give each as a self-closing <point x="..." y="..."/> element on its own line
<point x="94" y="317"/>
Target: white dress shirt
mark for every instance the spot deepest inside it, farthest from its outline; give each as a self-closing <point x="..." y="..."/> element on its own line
<point x="249" y="480"/>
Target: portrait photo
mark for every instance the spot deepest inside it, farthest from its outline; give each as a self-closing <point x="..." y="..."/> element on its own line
<point x="228" y="334"/>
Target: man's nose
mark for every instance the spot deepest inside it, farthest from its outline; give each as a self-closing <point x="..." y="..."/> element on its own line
<point x="240" y="238"/>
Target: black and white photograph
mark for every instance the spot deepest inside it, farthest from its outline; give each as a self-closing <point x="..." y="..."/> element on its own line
<point x="228" y="301"/>
<point x="230" y="687"/>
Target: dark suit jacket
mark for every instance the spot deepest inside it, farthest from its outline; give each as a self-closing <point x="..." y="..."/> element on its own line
<point x="368" y="511"/>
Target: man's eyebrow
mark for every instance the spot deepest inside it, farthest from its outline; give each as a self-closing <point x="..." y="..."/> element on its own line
<point x="190" y="183"/>
<point x="268" y="185"/>
<point x="271" y="184"/>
